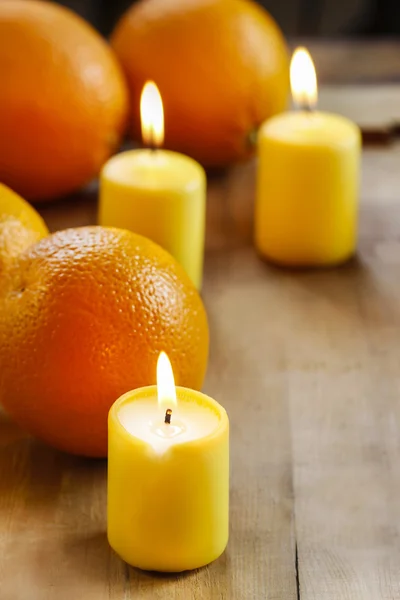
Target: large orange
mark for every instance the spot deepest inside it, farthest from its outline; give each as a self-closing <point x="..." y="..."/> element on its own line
<point x="63" y="99"/>
<point x="221" y="66"/>
<point x="83" y="316"/>
<point x="20" y="226"/>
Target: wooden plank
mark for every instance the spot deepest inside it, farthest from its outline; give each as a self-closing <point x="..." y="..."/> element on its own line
<point x="368" y="105"/>
<point x="336" y="333"/>
<point x="339" y="331"/>
<point x="344" y="374"/>
<point x="354" y="61"/>
<point x="247" y="375"/>
<point x="344" y="381"/>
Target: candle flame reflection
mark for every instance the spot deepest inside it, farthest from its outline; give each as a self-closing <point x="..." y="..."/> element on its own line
<point x="303" y="79"/>
<point x="166" y="391"/>
<point x="152" y="116"/>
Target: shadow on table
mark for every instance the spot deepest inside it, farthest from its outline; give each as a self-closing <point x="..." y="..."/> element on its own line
<point x="92" y="556"/>
<point x="34" y="476"/>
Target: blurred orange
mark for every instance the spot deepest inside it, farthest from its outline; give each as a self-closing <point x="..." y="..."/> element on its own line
<point x="84" y="315"/>
<point x="221" y="67"/>
<point x="63" y="99"/>
<point x="20" y="226"/>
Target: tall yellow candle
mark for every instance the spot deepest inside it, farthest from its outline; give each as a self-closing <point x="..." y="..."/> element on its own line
<point x="307" y="180"/>
<point x="168" y="476"/>
<point x="156" y="193"/>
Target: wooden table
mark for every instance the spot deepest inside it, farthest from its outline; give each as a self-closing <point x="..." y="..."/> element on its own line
<point x="308" y="366"/>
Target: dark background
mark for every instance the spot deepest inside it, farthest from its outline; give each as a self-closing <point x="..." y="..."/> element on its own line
<point x="319" y="18"/>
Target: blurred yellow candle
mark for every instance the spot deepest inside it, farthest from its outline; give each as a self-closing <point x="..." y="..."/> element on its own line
<point x="168" y="476"/>
<point x="307" y="180"/>
<point x="157" y="193"/>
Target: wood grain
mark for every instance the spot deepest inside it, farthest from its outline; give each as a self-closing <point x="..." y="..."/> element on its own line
<point x="307" y="365"/>
<point x="355" y="61"/>
<point x="345" y="427"/>
<point x="367" y="105"/>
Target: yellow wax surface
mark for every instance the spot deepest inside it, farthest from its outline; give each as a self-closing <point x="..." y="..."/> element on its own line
<point x="168" y="485"/>
<point x="161" y="195"/>
<point x="307" y="189"/>
<point x="145" y="420"/>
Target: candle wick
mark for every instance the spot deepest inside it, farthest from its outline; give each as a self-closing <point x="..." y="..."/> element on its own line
<point x="151" y="142"/>
<point x="168" y="414"/>
<point x="152" y="147"/>
<point x="305" y="107"/>
<point x="303" y="103"/>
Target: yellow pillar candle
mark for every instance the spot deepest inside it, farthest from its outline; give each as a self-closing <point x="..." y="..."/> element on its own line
<point x="156" y="193"/>
<point x="168" y="476"/>
<point x="307" y="180"/>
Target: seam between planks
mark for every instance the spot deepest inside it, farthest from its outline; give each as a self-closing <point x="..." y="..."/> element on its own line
<point x="296" y="566"/>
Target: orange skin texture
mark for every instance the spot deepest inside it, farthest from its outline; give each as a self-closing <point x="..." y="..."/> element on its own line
<point x="20" y="226"/>
<point x="221" y="66"/>
<point x="63" y="99"/>
<point x="84" y="315"/>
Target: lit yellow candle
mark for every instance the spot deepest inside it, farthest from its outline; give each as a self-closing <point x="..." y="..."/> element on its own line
<point x="156" y="193"/>
<point x="168" y="476"/>
<point x="307" y="180"/>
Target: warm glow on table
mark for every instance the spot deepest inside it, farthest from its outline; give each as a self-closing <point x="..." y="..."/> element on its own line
<point x="157" y="193"/>
<point x="168" y="476"/>
<point x="307" y="182"/>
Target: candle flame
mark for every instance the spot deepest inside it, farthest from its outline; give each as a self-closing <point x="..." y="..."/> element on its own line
<point x="152" y="116"/>
<point x="303" y="79"/>
<point x="166" y="391"/>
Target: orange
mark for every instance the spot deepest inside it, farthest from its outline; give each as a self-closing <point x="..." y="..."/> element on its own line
<point x="63" y="99"/>
<point x="83" y="317"/>
<point x="20" y="226"/>
<point x="221" y="67"/>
